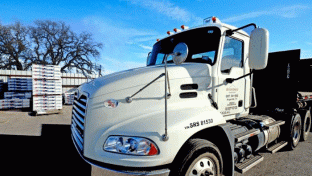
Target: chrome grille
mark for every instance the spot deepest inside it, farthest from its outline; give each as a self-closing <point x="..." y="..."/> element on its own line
<point x="78" y="120"/>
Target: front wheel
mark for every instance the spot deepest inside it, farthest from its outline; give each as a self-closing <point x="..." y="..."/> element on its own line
<point x="199" y="157"/>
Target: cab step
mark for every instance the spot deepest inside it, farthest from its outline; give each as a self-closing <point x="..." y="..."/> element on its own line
<point x="247" y="134"/>
<point x="277" y="146"/>
<point x="274" y="124"/>
<point x="248" y="164"/>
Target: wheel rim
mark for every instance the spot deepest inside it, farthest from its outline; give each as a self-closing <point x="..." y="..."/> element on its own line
<point x="296" y="132"/>
<point x="307" y="125"/>
<point x="203" y="167"/>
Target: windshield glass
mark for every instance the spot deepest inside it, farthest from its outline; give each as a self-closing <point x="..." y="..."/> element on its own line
<point x="202" y="43"/>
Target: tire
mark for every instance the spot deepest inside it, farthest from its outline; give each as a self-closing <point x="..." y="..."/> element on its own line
<point x="294" y="131"/>
<point x="306" y="125"/>
<point x="198" y="157"/>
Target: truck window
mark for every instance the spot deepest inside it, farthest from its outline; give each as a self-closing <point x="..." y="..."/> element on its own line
<point x="160" y="59"/>
<point x="206" y="57"/>
<point x="232" y="54"/>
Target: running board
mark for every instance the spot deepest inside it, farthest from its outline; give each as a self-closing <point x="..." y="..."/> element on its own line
<point x="277" y="146"/>
<point x="274" y="124"/>
<point x="247" y="134"/>
<point x="248" y="164"/>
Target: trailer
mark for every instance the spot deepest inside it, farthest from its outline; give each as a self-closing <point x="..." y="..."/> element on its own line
<point x="208" y="100"/>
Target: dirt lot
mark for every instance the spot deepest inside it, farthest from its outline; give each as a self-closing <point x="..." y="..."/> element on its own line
<point x="41" y="145"/>
<point x="17" y="122"/>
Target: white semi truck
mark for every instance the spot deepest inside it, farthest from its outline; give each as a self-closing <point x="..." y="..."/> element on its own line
<point x="208" y="100"/>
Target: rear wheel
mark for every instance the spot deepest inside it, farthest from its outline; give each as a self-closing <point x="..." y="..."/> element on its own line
<point x="306" y="125"/>
<point x="295" y="131"/>
<point x="198" y="157"/>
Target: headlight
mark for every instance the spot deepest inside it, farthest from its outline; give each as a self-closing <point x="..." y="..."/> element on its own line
<point x="130" y="145"/>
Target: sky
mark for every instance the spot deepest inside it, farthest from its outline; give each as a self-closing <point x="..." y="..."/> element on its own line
<point x="129" y="28"/>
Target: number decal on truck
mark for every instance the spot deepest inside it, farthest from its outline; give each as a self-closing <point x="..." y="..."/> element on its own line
<point x="199" y="123"/>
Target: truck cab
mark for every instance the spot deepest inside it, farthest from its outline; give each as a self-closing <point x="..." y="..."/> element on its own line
<point x="178" y="118"/>
<point x="223" y="56"/>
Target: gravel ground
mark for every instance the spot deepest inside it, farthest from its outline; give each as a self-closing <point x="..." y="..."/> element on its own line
<point x="297" y="162"/>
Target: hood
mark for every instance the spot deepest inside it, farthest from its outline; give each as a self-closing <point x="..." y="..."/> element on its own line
<point x="142" y="76"/>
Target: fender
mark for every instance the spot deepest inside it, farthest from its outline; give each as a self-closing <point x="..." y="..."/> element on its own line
<point x="223" y="138"/>
<point x="229" y="149"/>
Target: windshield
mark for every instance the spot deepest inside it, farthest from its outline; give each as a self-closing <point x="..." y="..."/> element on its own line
<point x="202" y="43"/>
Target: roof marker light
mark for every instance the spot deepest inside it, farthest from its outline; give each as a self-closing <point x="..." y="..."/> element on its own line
<point x="157" y="40"/>
<point x="184" y="27"/>
<point x="169" y="33"/>
<point x="214" y="19"/>
<point x="176" y="30"/>
<point x="211" y="20"/>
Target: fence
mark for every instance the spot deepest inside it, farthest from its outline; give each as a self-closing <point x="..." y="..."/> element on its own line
<point x="69" y="80"/>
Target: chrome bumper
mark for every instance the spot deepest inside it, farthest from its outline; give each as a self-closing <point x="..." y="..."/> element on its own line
<point x="123" y="172"/>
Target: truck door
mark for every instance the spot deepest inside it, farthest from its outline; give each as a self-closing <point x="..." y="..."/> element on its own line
<point x="231" y="95"/>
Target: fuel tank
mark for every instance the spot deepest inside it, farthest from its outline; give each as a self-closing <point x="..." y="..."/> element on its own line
<point x="266" y="136"/>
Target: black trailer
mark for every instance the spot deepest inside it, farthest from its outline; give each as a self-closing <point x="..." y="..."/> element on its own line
<point x="283" y="92"/>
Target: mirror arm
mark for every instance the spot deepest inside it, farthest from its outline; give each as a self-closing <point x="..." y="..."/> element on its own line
<point x="230" y="31"/>
<point x="168" y="81"/>
<point x="230" y="80"/>
<point x="165" y="137"/>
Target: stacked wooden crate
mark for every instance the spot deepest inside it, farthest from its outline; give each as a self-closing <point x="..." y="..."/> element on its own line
<point x="1" y="86"/>
<point x="19" y="84"/>
<point x="47" y="88"/>
<point x="69" y="96"/>
<point x="19" y="94"/>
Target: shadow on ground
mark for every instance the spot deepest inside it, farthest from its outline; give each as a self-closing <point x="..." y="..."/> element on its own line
<point x="52" y="153"/>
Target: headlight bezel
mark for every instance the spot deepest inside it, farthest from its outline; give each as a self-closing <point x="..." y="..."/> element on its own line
<point x="124" y="148"/>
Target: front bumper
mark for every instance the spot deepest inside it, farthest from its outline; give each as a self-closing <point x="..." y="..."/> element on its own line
<point x="126" y="171"/>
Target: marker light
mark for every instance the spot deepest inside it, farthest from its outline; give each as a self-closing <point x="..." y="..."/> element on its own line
<point x="214" y="19"/>
<point x="157" y="40"/>
<point x="211" y="20"/>
<point x="130" y="145"/>
<point x="169" y="33"/>
<point x="176" y="30"/>
<point x="184" y="27"/>
<point x="111" y="103"/>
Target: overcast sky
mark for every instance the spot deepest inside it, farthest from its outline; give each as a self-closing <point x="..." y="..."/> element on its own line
<point x="129" y="28"/>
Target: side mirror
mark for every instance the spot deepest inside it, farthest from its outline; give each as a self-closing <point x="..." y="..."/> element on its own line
<point x="258" y="48"/>
<point x="180" y="53"/>
<point x="149" y="55"/>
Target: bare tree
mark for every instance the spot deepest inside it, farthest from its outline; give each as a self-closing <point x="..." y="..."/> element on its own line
<point x="55" y="43"/>
<point x="13" y="46"/>
<point x="47" y="42"/>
